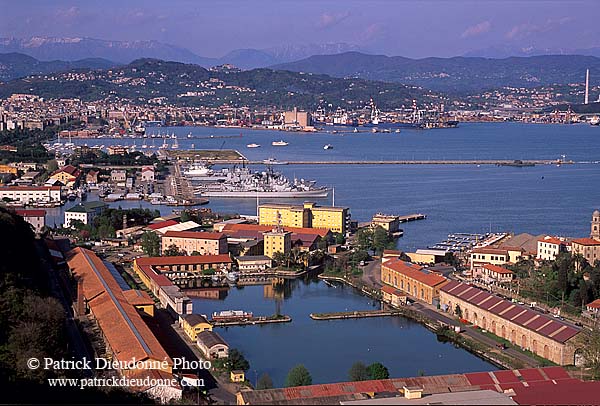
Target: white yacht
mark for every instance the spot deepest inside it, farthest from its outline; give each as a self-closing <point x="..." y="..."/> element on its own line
<point x="328" y="146"/>
<point x="280" y="143"/>
<point x="253" y="145"/>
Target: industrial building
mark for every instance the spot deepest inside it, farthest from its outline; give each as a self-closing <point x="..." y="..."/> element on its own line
<point x="308" y="215"/>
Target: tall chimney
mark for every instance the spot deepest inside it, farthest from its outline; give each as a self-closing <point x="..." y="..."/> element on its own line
<point x="587" y="86"/>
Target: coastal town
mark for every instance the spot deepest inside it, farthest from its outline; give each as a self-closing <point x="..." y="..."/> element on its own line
<point x="280" y="203"/>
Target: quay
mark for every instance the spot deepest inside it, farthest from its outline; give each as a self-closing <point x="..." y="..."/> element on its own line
<point x="250" y="321"/>
<point x="355" y="314"/>
<point x="412" y="217"/>
<point x="497" y="162"/>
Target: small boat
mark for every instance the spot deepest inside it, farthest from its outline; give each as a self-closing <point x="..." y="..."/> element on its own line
<point x="253" y="145"/>
<point x="397" y="130"/>
<point x="273" y="161"/>
<point x="328" y="146"/>
<point x="355" y="130"/>
<point x="280" y="143"/>
<point x="189" y="135"/>
<point x="374" y="130"/>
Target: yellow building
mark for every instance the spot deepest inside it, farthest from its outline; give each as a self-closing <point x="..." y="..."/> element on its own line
<point x="309" y="215"/>
<point x="142" y="302"/>
<point x="237" y="376"/>
<point x="192" y="324"/>
<point x="412" y="279"/>
<point x="8" y="169"/>
<point x="277" y="241"/>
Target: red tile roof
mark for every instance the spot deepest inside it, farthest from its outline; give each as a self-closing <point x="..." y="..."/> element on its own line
<point x="488" y="250"/>
<point x="586" y="241"/>
<point x="552" y="240"/>
<point x="415" y="272"/>
<point x="521" y="315"/>
<point x="392" y="291"/>
<point x="184" y="260"/>
<point x="263" y="228"/>
<point x="30" y="188"/>
<point x="572" y="392"/>
<point x="162" y="224"/>
<point x="31" y="213"/>
<point x="497" y="269"/>
<point x="70" y="169"/>
<point x="201" y="235"/>
<point x="595" y="304"/>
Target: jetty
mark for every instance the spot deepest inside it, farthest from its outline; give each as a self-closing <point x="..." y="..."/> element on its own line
<point x="411" y="217"/>
<point x="250" y="321"/>
<point x="497" y="162"/>
<point x="355" y="314"/>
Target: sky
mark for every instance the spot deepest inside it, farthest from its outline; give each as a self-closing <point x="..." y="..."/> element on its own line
<point x="392" y="27"/>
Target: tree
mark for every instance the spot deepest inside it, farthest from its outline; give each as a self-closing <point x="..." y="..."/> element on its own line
<point x="298" y="376"/>
<point x="150" y="244"/>
<point x="381" y="240"/>
<point x="52" y="165"/>
<point x="378" y="371"/>
<point x="458" y="311"/>
<point x="279" y="257"/>
<point x="591" y="352"/>
<point x="237" y="361"/>
<point x="172" y="251"/>
<point x="358" y="372"/>
<point x="264" y="382"/>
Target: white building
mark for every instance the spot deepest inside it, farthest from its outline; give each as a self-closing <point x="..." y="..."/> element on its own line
<point x="549" y="247"/>
<point x="147" y="174"/>
<point x="31" y="194"/>
<point x="37" y="218"/>
<point x="84" y="212"/>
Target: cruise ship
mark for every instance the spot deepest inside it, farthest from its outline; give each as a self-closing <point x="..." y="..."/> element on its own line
<point x="244" y="183"/>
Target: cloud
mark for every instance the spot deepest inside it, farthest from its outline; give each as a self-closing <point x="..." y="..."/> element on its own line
<point x="327" y="20"/>
<point x="527" y="29"/>
<point x="477" y="29"/>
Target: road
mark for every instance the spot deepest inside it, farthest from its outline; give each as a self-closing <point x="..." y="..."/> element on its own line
<point x="372" y="274"/>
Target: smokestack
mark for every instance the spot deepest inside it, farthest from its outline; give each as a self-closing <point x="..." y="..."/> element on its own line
<point x="587" y="86"/>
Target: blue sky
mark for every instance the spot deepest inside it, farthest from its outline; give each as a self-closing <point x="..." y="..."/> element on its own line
<point x="392" y="27"/>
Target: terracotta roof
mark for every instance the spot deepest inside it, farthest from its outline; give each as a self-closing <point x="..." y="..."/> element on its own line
<point x="184" y="260"/>
<point x="552" y="240"/>
<point x="586" y="241"/>
<point x="127" y="334"/>
<point x="595" y="304"/>
<point x="542" y="324"/>
<point x="201" y="235"/>
<point x="390" y="290"/>
<point x="137" y="297"/>
<point x="497" y="381"/>
<point x="70" y="169"/>
<point x="264" y="228"/>
<point x="497" y="269"/>
<point x="30" y="188"/>
<point x="415" y="272"/>
<point x="162" y="224"/>
<point x="31" y="213"/>
<point x="488" y="250"/>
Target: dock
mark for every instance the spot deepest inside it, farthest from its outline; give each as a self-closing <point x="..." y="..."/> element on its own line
<point x="250" y="321"/>
<point x="497" y="162"/>
<point x="412" y="217"/>
<point x="355" y="314"/>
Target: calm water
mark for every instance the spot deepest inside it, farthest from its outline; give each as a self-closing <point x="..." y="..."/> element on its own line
<point x="329" y="348"/>
<point x="458" y="198"/>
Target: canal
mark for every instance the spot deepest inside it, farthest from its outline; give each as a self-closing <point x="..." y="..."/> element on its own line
<point x="329" y="348"/>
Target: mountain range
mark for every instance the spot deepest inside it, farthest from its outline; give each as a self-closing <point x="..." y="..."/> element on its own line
<point x="458" y="75"/>
<point x="14" y="65"/>
<point x="146" y="80"/>
<point x="70" y="49"/>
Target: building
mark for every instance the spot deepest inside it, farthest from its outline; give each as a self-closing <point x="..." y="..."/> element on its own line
<point x="548" y="386"/>
<point x="169" y="295"/>
<point x="212" y="345"/>
<point x="195" y="241"/>
<point x="237" y="376"/>
<point x="412" y="279"/>
<point x="162" y="228"/>
<point x="67" y="175"/>
<point x="593" y="307"/>
<point x="192" y="324"/>
<point x="84" y="212"/>
<point x="537" y="332"/>
<point x="549" y="247"/>
<point x="31" y="194"/>
<point x="126" y="337"/>
<point x="118" y="175"/>
<point x="91" y="178"/>
<point x="277" y="240"/>
<point x="308" y="215"/>
<point x="595" y="227"/>
<point x="487" y="255"/>
<point x="147" y="174"/>
<point x="141" y="301"/>
<point x="253" y="263"/>
<point x="586" y="247"/>
<point x="37" y="218"/>
<point x="391" y="224"/>
<point x="493" y="273"/>
<point x="8" y="169"/>
<point x="393" y="296"/>
<point x="297" y="118"/>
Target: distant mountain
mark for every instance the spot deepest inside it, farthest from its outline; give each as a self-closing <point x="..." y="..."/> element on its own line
<point x="506" y="51"/>
<point x="456" y="75"/>
<point x="70" y="49"/>
<point x="16" y="65"/>
<point x="185" y="84"/>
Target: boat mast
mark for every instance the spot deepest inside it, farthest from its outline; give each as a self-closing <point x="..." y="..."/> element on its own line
<point x="333" y="194"/>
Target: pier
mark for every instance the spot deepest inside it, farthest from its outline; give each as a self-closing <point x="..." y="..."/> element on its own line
<point x="412" y="217"/>
<point x="250" y="321"/>
<point x="497" y="162"/>
<point x="355" y="315"/>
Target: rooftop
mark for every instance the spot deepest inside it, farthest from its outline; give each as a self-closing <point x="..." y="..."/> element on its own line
<point x="415" y="272"/>
<point x="200" y="235"/>
<point x="586" y="241"/>
<point x="184" y="260"/>
<point x="210" y="338"/>
<point x="497" y="269"/>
